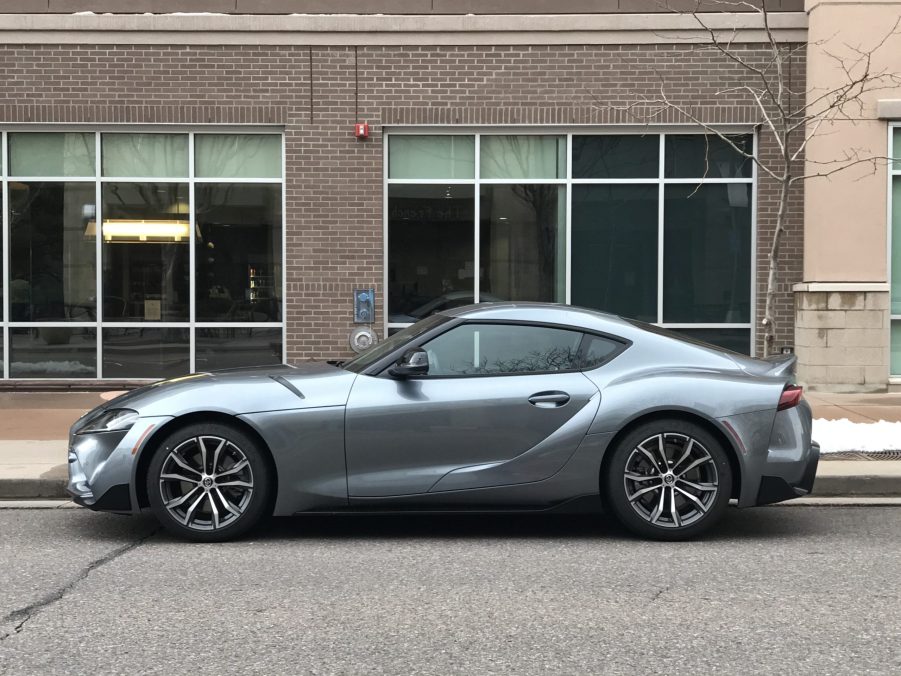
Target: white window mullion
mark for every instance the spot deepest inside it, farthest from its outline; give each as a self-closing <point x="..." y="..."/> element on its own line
<point x="5" y="265"/>
<point x="98" y="252"/>
<point x="660" y="194"/>
<point x="476" y="251"/>
<point x="191" y="263"/>
<point x="569" y="228"/>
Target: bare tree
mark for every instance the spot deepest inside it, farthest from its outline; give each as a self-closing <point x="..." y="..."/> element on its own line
<point x="791" y="118"/>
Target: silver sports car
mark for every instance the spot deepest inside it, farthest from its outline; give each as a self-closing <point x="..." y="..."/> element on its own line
<point x="510" y="406"/>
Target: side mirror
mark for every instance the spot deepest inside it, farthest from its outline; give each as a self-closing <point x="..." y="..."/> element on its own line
<point x="415" y="362"/>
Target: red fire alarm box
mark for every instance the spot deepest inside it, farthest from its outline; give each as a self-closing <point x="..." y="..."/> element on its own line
<point x="361" y="130"/>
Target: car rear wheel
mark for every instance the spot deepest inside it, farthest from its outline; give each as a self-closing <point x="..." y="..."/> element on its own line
<point x="209" y="482"/>
<point x="668" y="480"/>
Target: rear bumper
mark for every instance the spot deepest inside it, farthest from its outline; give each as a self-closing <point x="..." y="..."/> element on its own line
<point x="776" y="488"/>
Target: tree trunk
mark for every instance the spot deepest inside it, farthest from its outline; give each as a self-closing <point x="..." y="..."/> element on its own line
<point x="769" y="319"/>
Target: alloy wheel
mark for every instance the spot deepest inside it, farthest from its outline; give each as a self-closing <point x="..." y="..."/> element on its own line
<point x="671" y="480"/>
<point x="206" y="483"/>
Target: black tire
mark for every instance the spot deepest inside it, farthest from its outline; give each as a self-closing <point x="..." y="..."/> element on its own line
<point x="227" y="492"/>
<point x="692" y="516"/>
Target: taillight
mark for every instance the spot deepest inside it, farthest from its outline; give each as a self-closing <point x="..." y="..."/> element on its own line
<point x="791" y="396"/>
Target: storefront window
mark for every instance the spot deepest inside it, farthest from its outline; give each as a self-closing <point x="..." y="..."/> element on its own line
<point x="614" y="250"/>
<point x="238" y="252"/>
<point x="157" y="155"/>
<point x="51" y="154"/>
<point x="154" y="210"/>
<point x="430" y="249"/>
<point x="651" y="239"/>
<point x="238" y="155"/>
<point x="52" y="276"/>
<point x="522" y="157"/>
<point x="449" y="156"/>
<point x="145" y="252"/>
<point x="523" y="242"/>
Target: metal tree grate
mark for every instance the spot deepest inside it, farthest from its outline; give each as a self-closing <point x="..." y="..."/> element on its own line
<point x="862" y="455"/>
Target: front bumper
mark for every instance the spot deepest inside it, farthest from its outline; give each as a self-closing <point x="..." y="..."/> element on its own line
<point x="102" y="466"/>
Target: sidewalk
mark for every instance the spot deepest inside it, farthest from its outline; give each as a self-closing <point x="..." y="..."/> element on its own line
<point x="34" y="430"/>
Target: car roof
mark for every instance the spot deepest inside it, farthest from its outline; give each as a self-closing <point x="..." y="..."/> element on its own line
<point x="551" y="313"/>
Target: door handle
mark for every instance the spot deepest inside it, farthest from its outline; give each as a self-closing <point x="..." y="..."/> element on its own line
<point x="549" y="399"/>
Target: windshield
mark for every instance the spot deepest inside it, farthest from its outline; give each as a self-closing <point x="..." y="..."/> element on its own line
<point x="371" y="356"/>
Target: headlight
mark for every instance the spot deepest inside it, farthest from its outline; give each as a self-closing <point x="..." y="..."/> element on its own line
<point x="113" y="420"/>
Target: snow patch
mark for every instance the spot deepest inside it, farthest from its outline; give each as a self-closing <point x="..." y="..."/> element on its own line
<point x="835" y="436"/>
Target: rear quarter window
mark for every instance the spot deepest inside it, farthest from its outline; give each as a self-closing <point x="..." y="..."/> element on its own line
<point x="599" y="351"/>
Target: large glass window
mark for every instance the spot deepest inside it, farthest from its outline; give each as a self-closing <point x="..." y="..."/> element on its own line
<point x="110" y="233"/>
<point x="660" y="226"/>
<point x="523" y="242"/>
<point x="52" y="276"/>
<point x="430" y="249"/>
<point x="145" y="252"/>
<point x="238" y="252"/>
<point x="614" y="251"/>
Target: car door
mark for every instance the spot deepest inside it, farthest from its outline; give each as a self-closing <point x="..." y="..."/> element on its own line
<point x="502" y="403"/>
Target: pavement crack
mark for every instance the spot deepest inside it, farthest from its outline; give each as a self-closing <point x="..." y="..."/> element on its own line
<point x="18" y="618"/>
<point x="660" y="592"/>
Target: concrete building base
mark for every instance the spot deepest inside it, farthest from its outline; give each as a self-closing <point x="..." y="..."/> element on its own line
<point x="842" y="336"/>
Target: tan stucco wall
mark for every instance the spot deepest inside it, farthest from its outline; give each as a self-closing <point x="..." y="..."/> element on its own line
<point x="845" y="238"/>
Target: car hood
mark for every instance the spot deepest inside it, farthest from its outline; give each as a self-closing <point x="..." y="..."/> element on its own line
<point x="242" y="390"/>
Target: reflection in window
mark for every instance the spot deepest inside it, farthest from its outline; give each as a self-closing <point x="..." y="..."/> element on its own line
<point x="430" y="249"/>
<point x="234" y="347"/>
<point x="51" y="154"/>
<point x="707" y="253"/>
<point x="737" y="340"/>
<point x="448" y="156"/>
<point x="141" y="352"/>
<point x="148" y="155"/>
<point x="238" y="252"/>
<point x="238" y="155"/>
<point x="486" y="349"/>
<point x="51" y="264"/>
<point x="614" y="156"/>
<point x="145" y="251"/>
<point x="53" y="352"/>
<point x="707" y="156"/>
<point x="523" y="242"/>
<point x="614" y="251"/>
<point x="522" y="157"/>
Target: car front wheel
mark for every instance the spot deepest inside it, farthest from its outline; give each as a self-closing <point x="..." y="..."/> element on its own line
<point x="668" y="480"/>
<point x="209" y="482"/>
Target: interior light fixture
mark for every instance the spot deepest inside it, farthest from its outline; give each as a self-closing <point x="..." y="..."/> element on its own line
<point x="130" y="230"/>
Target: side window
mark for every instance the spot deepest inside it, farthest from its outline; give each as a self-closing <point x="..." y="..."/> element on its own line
<point x="496" y="349"/>
<point x="598" y="351"/>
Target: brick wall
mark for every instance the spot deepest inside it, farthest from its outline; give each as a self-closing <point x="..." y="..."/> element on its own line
<point x="334" y="182"/>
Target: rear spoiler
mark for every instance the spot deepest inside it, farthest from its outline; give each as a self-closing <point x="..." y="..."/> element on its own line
<point x="774" y="366"/>
<point x="781" y="364"/>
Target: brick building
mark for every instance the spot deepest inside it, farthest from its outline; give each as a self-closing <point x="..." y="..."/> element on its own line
<point x="239" y="211"/>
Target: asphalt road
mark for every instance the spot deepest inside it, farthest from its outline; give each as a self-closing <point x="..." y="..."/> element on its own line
<point x="772" y="590"/>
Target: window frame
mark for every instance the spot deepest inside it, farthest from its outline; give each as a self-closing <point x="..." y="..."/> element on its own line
<point x="662" y="131"/>
<point x="894" y="171"/>
<point x="98" y="180"/>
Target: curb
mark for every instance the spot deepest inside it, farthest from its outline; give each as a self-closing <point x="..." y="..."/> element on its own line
<point x="855" y="485"/>
<point x="25" y="489"/>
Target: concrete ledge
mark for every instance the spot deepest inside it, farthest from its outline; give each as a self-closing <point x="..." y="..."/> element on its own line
<point x="355" y="29"/>
<point x="853" y="287"/>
